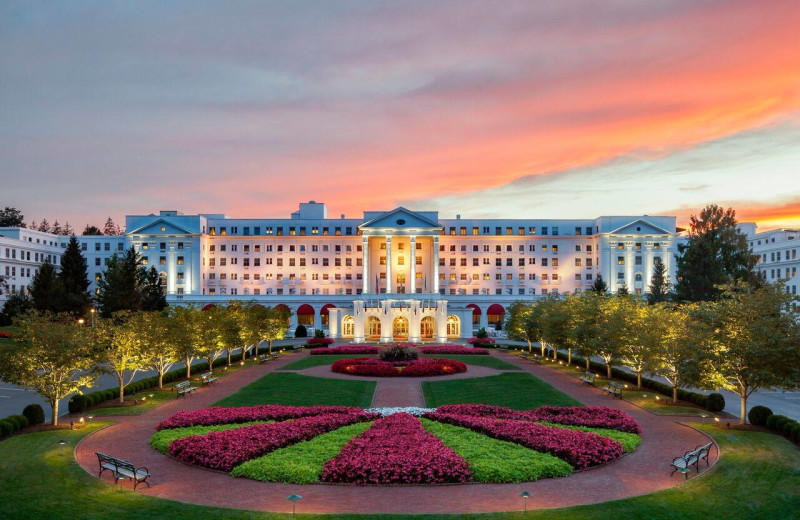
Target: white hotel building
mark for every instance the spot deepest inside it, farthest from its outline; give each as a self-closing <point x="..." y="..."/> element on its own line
<point x="390" y="275"/>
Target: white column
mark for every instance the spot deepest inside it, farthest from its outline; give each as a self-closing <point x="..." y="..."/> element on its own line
<point x="388" y="264"/>
<point x="413" y="264"/>
<point x="318" y="319"/>
<point x="365" y="264"/>
<point x="436" y="264"/>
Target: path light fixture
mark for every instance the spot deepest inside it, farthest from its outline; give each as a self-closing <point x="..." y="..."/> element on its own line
<point x="62" y="443"/>
<point x="91" y="417"/>
<point x="150" y="395"/>
<point x="293" y="499"/>
<point x="525" y="496"/>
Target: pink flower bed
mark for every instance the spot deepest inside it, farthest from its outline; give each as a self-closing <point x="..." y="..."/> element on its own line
<point x="396" y="450"/>
<point x="454" y="350"/>
<point x="590" y="416"/>
<point x="418" y="368"/>
<point x="319" y="342"/>
<point x="580" y="449"/>
<point x="480" y="341"/>
<point x="226" y="449"/>
<point x="267" y="412"/>
<point x="344" y="350"/>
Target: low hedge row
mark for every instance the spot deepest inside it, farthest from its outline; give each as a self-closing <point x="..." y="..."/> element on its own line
<point x="784" y="425"/>
<point x="713" y="402"/>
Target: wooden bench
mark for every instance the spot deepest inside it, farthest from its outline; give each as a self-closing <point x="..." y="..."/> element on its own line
<point x="691" y="458"/>
<point x="263" y="358"/>
<point x="208" y="378"/>
<point x="614" y="389"/>
<point x="184" y="388"/>
<point x="588" y="378"/>
<point x="536" y="359"/>
<point x="122" y="469"/>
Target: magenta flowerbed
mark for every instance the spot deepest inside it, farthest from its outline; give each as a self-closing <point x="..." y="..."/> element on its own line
<point x="417" y="368"/>
<point x="396" y="450"/>
<point x="267" y="412"/>
<point x="226" y="449"/>
<point x="590" y="416"/>
<point x="345" y="350"/>
<point x="580" y="449"/>
<point x="454" y="350"/>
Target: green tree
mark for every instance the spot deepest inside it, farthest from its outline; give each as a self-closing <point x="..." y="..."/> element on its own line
<point x="523" y="324"/>
<point x="585" y="313"/>
<point x="599" y="286"/>
<point x="121" y="284"/>
<point x="17" y="304"/>
<point x="91" y="231"/>
<point x="156" y="334"/>
<point x="660" y="285"/>
<point x="153" y="296"/>
<point x="680" y="354"/>
<point x="44" y="226"/>
<point x="51" y="355"/>
<point x="555" y="317"/>
<point x="74" y="279"/>
<point x="11" y="217"/>
<point x="111" y="228"/>
<point x="121" y="348"/>
<point x="636" y="350"/>
<point x="182" y="334"/>
<point x="716" y="253"/>
<point x="46" y="289"/>
<point x="613" y="325"/>
<point x="274" y="324"/>
<point x="755" y="338"/>
<point x="231" y="328"/>
<point x="208" y="333"/>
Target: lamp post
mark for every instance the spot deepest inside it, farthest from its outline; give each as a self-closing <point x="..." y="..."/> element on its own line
<point x="525" y="496"/>
<point x="92" y="312"/>
<point x="62" y="443"/>
<point x="293" y="499"/>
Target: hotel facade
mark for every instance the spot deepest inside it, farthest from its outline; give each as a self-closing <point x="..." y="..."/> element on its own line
<point x="390" y="275"/>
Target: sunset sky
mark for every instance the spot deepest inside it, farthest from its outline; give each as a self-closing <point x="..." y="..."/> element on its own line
<point x="488" y="109"/>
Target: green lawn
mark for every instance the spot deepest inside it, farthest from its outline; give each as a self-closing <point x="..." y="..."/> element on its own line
<point x="518" y="390"/>
<point x="159" y="397"/>
<point x="756" y="479"/>
<point x="486" y="361"/>
<point x="297" y="390"/>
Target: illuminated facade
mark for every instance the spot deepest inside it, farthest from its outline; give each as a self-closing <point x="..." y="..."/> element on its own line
<point x="392" y="274"/>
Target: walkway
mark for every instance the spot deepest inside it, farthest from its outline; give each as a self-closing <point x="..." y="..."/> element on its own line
<point x="641" y="472"/>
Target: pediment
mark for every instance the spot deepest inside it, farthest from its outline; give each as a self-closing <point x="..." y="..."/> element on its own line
<point x="640" y="227"/>
<point x="160" y="227"/>
<point x="400" y="218"/>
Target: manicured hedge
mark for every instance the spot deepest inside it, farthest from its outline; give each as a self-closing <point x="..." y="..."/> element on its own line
<point x="12" y="423"/>
<point x="758" y="415"/>
<point x="34" y="413"/>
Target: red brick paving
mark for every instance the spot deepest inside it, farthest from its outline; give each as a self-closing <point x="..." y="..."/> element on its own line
<point x="641" y="472"/>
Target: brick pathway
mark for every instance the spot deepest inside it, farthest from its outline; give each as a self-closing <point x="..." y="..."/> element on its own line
<point x="641" y="472"/>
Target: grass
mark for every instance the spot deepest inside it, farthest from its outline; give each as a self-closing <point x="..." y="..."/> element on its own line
<point x="300" y="463"/>
<point x="629" y="441"/>
<point x="486" y="361"/>
<point x="297" y="390"/>
<point x="755" y="479"/>
<point x="492" y="460"/>
<point x="162" y="438"/>
<point x="159" y="397"/>
<point x="518" y="390"/>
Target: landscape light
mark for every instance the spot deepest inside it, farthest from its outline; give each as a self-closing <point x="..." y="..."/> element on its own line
<point x="62" y="443"/>
<point x="293" y="499"/>
<point x="525" y="496"/>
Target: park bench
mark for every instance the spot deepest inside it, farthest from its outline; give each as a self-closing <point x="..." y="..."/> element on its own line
<point x="122" y="469"/>
<point x="613" y="388"/>
<point x="208" y="378"/>
<point x="588" y="378"/>
<point x="184" y="388"/>
<point x="263" y="358"/>
<point x="691" y="458"/>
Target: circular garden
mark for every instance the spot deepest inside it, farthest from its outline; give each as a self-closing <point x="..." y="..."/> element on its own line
<point x="447" y="445"/>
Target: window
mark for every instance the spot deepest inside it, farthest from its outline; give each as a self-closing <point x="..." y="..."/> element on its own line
<point x="620" y="260"/>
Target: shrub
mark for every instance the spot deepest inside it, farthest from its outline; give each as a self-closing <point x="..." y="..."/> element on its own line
<point x="399" y="353"/>
<point x="482" y="333"/>
<point x="22" y="421"/>
<point x="300" y="332"/>
<point x="788" y="425"/>
<point x="715" y="402"/>
<point x="773" y="420"/>
<point x="34" y="414"/>
<point x="319" y="333"/>
<point x="14" y="421"/>
<point x="758" y="415"/>
<point x="77" y="403"/>
<point x="6" y="428"/>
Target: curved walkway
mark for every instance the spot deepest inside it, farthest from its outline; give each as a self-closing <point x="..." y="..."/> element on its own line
<point x="644" y="471"/>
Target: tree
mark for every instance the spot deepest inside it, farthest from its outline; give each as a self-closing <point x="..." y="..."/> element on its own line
<point x="679" y="352"/>
<point x="51" y="356"/>
<point x="153" y="297"/>
<point x="44" y="226"/>
<point x="182" y="335"/>
<point x="585" y="310"/>
<point x="599" y="286"/>
<point x="111" y="228"/>
<point x="612" y="335"/>
<point x="121" y="348"/>
<point x="74" y="279"/>
<point x="121" y="284"/>
<point x="67" y="231"/>
<point x="155" y="329"/>
<point x="273" y="325"/>
<point x="755" y="338"/>
<point x="11" y="217"/>
<point x="91" y="230"/>
<point x="622" y="290"/>
<point x="715" y="253"/>
<point x="17" y="304"/>
<point x="660" y="285"/>
<point x="636" y="349"/>
<point x="208" y="334"/>
<point x="555" y="323"/>
<point x="523" y="324"/>
<point x="46" y="290"/>
<point x="230" y="328"/>
<point x="56" y="229"/>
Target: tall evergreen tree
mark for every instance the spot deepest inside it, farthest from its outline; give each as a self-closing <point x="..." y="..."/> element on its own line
<point x="44" y="226"/>
<point x="599" y="286"/>
<point x="46" y="290"/>
<point x="17" y="304"/>
<point x="716" y="253"/>
<point x="622" y="290"/>
<point x="67" y="231"/>
<point x="660" y="286"/>
<point x="111" y="228"/>
<point x="11" y="217"/>
<point x="153" y="297"/>
<point x="91" y="231"/>
<point x="56" y="229"/>
<point x="121" y="283"/>
<point x="74" y="278"/>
